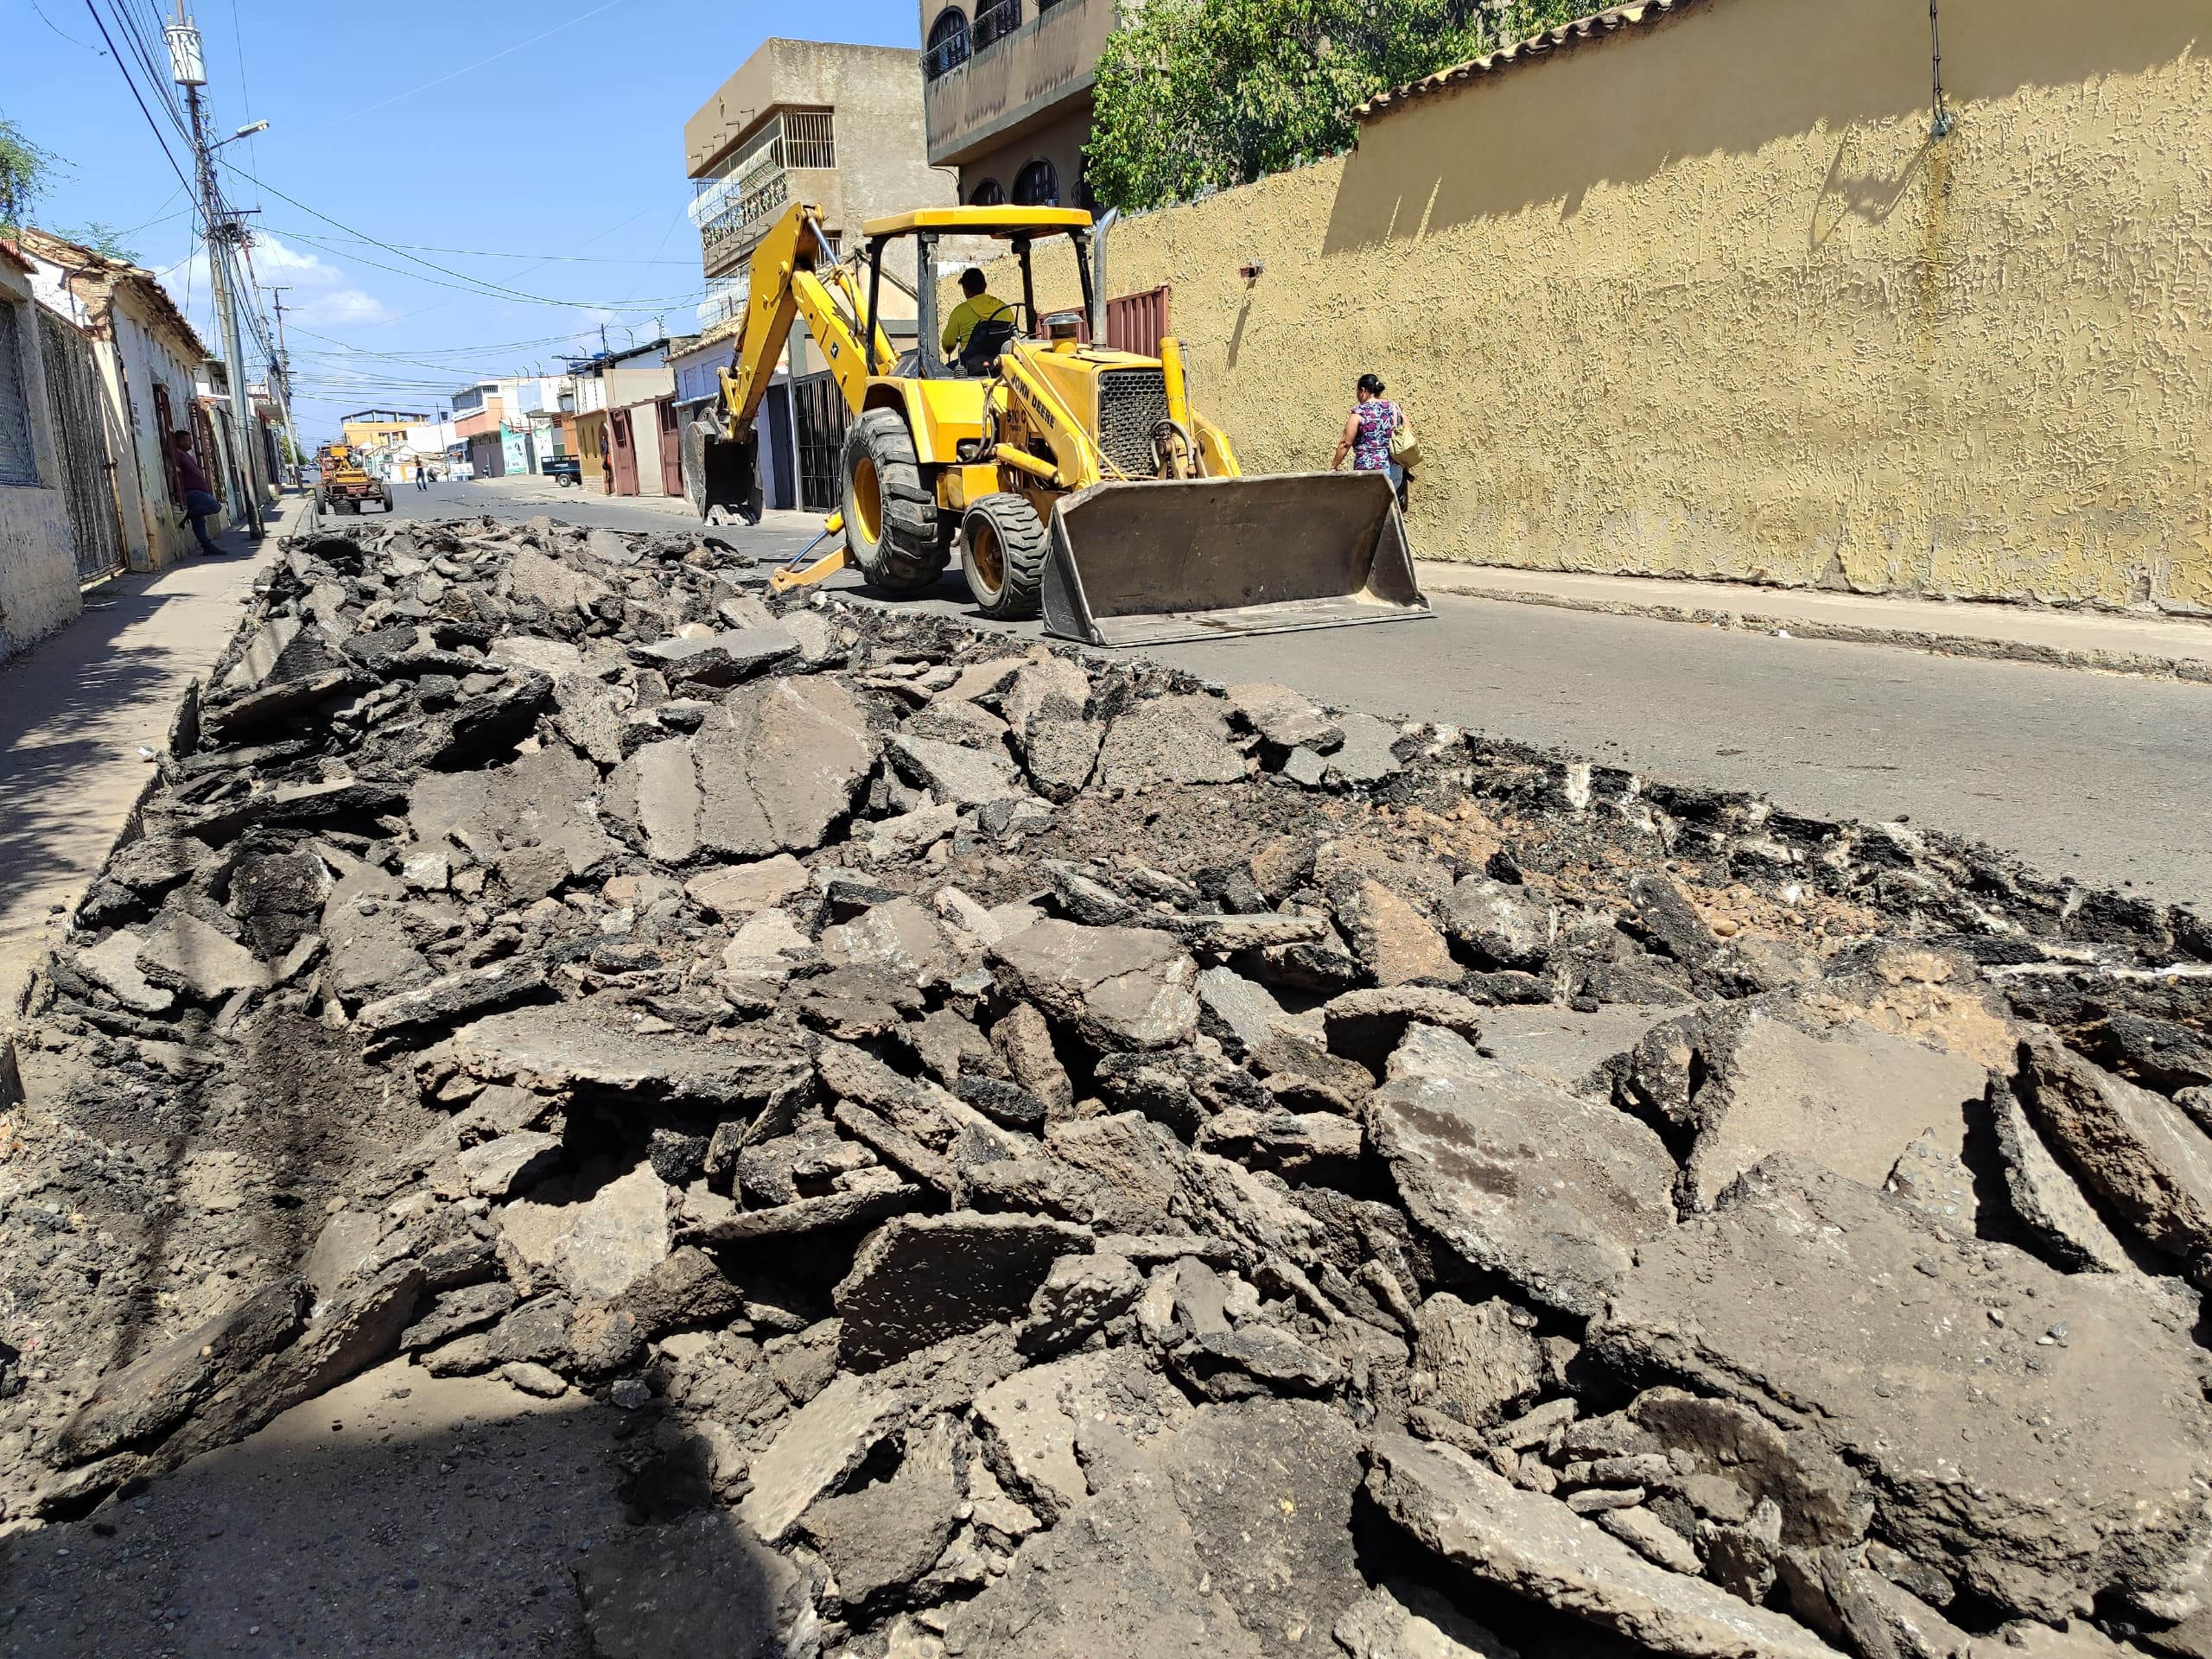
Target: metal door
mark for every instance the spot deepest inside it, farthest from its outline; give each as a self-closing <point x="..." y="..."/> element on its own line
<point x="79" y="431"/>
<point x="672" y="448"/>
<point x="622" y="452"/>
<point x="819" y="411"/>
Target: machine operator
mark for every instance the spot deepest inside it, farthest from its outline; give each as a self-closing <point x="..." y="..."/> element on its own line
<point x="980" y="306"/>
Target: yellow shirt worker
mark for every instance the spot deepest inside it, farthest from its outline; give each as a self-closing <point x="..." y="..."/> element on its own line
<point x="978" y="307"/>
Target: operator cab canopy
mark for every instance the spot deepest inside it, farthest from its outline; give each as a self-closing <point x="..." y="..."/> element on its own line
<point x="1004" y="223"/>
<point x="1019" y="227"/>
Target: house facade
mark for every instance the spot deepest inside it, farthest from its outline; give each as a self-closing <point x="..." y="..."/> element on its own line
<point x="38" y="566"/>
<point x="149" y="360"/>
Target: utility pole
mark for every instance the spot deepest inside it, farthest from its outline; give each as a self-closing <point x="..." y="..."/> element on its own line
<point x="280" y="376"/>
<point x="188" y="70"/>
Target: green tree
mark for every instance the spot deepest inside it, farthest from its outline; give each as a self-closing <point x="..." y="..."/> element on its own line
<point x="100" y="238"/>
<point x="1193" y="93"/>
<point x="25" y="170"/>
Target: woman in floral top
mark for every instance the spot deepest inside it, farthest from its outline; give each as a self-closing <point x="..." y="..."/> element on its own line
<point x="1367" y="435"/>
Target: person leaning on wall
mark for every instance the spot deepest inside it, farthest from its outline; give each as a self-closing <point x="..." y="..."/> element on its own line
<point x="1378" y="437"/>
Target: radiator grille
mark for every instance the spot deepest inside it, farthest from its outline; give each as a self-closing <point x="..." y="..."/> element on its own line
<point x="1131" y="402"/>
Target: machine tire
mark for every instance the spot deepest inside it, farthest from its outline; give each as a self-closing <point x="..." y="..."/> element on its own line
<point x="1002" y="554"/>
<point x="890" y="510"/>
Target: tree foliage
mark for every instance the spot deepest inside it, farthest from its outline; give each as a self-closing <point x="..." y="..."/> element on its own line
<point x="25" y="170"/>
<point x="100" y="238"/>
<point x="1194" y="93"/>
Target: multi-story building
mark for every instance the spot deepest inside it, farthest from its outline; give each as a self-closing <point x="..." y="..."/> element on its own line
<point x="378" y="430"/>
<point x="838" y="126"/>
<point x="1007" y="88"/>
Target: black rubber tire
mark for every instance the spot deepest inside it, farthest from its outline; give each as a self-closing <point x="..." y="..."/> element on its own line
<point x="890" y="509"/>
<point x="1003" y="555"/>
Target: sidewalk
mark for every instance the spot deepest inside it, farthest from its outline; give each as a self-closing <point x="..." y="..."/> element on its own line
<point x="82" y="716"/>
<point x="2162" y="647"/>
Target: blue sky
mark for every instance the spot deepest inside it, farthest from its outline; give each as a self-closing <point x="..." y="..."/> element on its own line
<point x="531" y="148"/>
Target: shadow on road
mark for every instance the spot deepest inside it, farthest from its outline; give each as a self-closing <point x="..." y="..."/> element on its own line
<point x="400" y="1513"/>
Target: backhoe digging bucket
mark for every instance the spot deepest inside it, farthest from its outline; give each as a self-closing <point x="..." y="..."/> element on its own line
<point x="1150" y="563"/>
<point x="720" y="471"/>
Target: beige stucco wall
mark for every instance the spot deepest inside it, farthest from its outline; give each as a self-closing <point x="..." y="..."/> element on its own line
<point x="38" y="558"/>
<point x="1701" y="298"/>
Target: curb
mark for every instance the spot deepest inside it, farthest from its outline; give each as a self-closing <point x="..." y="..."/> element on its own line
<point x="2196" y="670"/>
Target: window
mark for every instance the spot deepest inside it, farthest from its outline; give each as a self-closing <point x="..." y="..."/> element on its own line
<point x="1037" y="185"/>
<point x="995" y="19"/>
<point x="948" y="43"/>
<point x="988" y="194"/>
<point x="810" y="138"/>
<point x="18" y="460"/>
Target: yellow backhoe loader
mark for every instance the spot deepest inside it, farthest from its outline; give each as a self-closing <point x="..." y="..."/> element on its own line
<point x="1071" y="478"/>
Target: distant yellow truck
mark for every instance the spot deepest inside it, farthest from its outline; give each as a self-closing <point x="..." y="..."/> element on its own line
<point x="342" y="484"/>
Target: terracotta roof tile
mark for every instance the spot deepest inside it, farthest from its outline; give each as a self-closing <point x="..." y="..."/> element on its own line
<point x="1592" y="28"/>
<point x="116" y="272"/>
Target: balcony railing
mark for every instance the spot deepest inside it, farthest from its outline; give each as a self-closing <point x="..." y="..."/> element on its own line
<point x="1021" y="61"/>
<point x="726" y="297"/>
<point x="996" y="20"/>
<point x="792" y="138"/>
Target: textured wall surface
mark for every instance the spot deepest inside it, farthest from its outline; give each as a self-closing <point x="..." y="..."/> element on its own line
<point x="1703" y="298"/>
<point x="38" y="567"/>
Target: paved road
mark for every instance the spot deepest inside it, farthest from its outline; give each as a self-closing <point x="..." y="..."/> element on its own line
<point x="2101" y="776"/>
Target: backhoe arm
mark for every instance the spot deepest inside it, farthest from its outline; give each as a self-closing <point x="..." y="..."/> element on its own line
<point x="794" y="275"/>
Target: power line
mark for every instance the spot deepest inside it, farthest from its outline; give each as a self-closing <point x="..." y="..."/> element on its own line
<point x="150" y="59"/>
<point x="455" y="74"/>
<point x="487" y="253"/>
<point x="475" y="284"/>
<point x="141" y="102"/>
<point x="71" y="39"/>
<point x="447" y="351"/>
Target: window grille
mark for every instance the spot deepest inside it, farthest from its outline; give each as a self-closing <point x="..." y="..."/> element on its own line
<point x="807" y="139"/>
<point x="996" y="19"/>
<point x="948" y="47"/>
<point x="1037" y="185"/>
<point x="18" y="460"/>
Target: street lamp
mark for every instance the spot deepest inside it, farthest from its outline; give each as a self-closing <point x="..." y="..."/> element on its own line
<point x="247" y="131"/>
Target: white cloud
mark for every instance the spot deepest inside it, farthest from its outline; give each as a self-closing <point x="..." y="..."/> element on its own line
<point x="318" y="293"/>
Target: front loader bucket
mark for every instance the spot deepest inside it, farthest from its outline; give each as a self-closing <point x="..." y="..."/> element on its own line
<point x="1147" y="563"/>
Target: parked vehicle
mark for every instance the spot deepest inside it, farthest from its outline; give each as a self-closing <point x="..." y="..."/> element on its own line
<point x="564" y="469"/>
<point x="343" y="483"/>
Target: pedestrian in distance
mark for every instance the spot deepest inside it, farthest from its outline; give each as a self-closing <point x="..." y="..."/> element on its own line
<point x="421" y="474"/>
<point x="199" y="502"/>
<point x="1378" y="437"/>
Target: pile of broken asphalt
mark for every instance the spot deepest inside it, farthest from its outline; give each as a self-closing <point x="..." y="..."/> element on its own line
<point x="1062" y="1159"/>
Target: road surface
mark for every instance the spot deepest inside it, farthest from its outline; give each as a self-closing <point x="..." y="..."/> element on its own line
<point x="2101" y="776"/>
